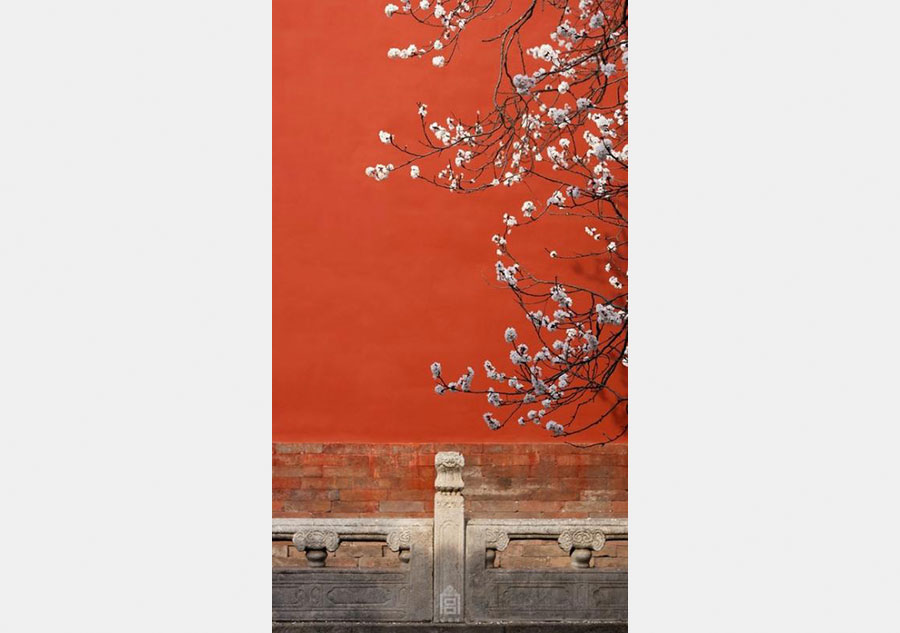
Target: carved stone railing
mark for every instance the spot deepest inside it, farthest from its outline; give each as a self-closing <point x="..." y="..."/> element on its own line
<point x="449" y="537"/>
<point x="445" y="570"/>
<point x="320" y="593"/>
<point x="517" y="595"/>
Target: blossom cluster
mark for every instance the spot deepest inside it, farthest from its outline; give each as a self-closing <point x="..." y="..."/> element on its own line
<point x="560" y="123"/>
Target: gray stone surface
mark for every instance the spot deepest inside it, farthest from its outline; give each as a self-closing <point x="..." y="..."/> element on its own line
<point x="449" y="538"/>
<point x="446" y="574"/>
<point x="550" y="595"/>
<point x="368" y="595"/>
<point x="371" y="627"/>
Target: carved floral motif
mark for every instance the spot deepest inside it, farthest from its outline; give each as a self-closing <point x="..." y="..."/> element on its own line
<point x="449" y="465"/>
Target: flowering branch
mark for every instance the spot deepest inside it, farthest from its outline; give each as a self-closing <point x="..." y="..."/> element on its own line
<point x="559" y="121"/>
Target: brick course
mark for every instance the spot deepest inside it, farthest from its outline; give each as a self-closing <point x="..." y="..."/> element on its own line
<point x="502" y="480"/>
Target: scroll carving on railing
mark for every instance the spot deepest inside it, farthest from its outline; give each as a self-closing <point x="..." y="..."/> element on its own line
<point x="399" y="541"/>
<point x="580" y="544"/>
<point x="495" y="541"/>
<point x="450" y="570"/>
<point x="551" y="594"/>
<point x="316" y="544"/>
<point x="320" y="592"/>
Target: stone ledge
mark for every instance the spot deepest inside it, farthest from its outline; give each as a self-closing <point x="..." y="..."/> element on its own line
<point x="427" y="627"/>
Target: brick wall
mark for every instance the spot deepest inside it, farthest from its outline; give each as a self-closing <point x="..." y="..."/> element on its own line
<point x="502" y="480"/>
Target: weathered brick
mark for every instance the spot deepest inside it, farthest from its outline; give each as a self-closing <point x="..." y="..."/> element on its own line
<point x="307" y="506"/>
<point x="512" y="562"/>
<point x="297" y="471"/>
<point x="280" y="548"/>
<point x="287" y="562"/>
<point x="490" y="506"/>
<point x="502" y="480"/>
<point x="532" y="548"/>
<point x="317" y="483"/>
<point x="579" y="459"/>
<point x="287" y="447"/>
<point x="351" y="507"/>
<point x="343" y="470"/>
<point x="359" y="549"/>
<point x="363" y="494"/>
<point x="401" y="494"/>
<point x="340" y="563"/>
<point x="559" y="561"/>
<point x="386" y="562"/>
<point x="540" y="506"/>
<point x="610" y="563"/>
<point x="285" y="482"/>
<point x="401" y="506"/>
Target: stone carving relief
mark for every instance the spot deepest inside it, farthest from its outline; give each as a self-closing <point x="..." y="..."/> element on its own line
<point x="400" y="541"/>
<point x="316" y="544"/>
<point x="496" y="539"/>
<point x="579" y="542"/>
<point x="449" y="467"/>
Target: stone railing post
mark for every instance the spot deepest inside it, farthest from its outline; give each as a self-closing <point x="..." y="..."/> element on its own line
<point x="449" y="538"/>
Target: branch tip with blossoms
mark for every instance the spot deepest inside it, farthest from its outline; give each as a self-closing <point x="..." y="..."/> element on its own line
<point x="559" y="121"/>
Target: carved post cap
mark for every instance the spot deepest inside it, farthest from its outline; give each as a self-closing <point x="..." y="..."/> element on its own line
<point x="581" y="538"/>
<point x="449" y="465"/>
<point x="578" y="543"/>
<point x="316" y="544"/>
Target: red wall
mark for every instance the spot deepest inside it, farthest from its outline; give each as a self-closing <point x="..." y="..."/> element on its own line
<point x="374" y="281"/>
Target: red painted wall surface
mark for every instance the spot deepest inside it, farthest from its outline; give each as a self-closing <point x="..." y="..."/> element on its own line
<point x="372" y="281"/>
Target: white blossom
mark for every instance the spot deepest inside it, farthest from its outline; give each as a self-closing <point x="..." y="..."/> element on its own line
<point x="558" y="126"/>
<point x="379" y="172"/>
<point x="523" y="84"/>
<point x="556" y="199"/>
<point x="558" y="294"/>
<point x="507" y="275"/>
<point x="519" y="356"/>
<point x="555" y="428"/>
<point x="492" y="423"/>
<point x="607" y="314"/>
<point x="465" y="381"/>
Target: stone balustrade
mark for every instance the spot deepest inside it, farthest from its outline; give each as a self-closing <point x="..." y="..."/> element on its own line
<point x="446" y="569"/>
